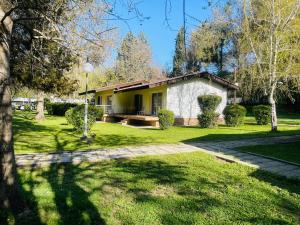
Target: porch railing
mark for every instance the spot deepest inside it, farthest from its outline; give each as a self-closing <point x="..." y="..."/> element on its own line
<point x="107" y="109"/>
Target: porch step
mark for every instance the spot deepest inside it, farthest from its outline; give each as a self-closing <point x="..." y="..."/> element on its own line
<point x="124" y="122"/>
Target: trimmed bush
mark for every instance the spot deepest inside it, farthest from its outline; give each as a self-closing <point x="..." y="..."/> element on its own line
<point x="208" y="119"/>
<point x="59" y="109"/>
<point x="234" y="115"/>
<point x="209" y="103"/>
<point x="166" y="118"/>
<point x="75" y="116"/>
<point x="262" y="114"/>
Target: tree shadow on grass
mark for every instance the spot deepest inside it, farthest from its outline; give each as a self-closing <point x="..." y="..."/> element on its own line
<point x="22" y="125"/>
<point x="170" y="181"/>
<point x="291" y="185"/>
<point x="71" y="200"/>
<point x="236" y="136"/>
<point x="98" y="142"/>
<point x="30" y="212"/>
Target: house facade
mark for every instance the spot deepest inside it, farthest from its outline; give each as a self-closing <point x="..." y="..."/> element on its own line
<point x="141" y="100"/>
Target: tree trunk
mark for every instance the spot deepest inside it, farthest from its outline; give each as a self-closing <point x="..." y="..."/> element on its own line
<point x="9" y="188"/>
<point x="273" y="109"/>
<point x="40" y="106"/>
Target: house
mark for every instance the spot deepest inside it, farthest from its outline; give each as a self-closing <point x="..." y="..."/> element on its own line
<point x="140" y="101"/>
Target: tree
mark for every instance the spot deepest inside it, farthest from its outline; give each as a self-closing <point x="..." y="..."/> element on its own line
<point x="17" y="19"/>
<point x="20" y="24"/>
<point x="134" y="59"/>
<point x="271" y="36"/>
<point x="42" y="68"/>
<point x="214" y="42"/>
<point x="179" y="59"/>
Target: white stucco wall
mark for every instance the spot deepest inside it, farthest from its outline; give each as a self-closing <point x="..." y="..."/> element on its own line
<point x="182" y="96"/>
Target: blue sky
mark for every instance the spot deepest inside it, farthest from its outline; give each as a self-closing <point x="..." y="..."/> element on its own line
<point x="161" y="37"/>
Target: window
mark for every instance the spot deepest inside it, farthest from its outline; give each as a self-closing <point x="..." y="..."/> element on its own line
<point x="138" y="103"/>
<point x="109" y="100"/>
<point x="156" y="103"/>
<point x="99" y="100"/>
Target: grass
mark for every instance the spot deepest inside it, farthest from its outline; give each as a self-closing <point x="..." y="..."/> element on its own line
<point x="287" y="151"/>
<point x="53" y="134"/>
<point x="190" y="188"/>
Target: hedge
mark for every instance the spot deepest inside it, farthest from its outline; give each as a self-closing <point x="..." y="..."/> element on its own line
<point x="262" y="114"/>
<point x="209" y="103"/>
<point x="75" y="116"/>
<point x="59" y="109"/>
<point x="234" y="115"/>
<point x="208" y="119"/>
<point x="166" y="118"/>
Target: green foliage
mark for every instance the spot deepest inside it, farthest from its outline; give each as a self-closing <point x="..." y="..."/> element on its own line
<point x="262" y="114"/>
<point x="166" y="118"/>
<point x="208" y="119"/>
<point x="59" y="109"/>
<point x="75" y="116"/>
<point x="134" y="58"/>
<point x="234" y="115"/>
<point x="179" y="57"/>
<point x="27" y="108"/>
<point x="209" y="103"/>
<point x="113" y="135"/>
<point x="48" y="106"/>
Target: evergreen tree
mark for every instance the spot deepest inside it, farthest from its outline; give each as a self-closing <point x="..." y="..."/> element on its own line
<point x="134" y="59"/>
<point x="179" y="59"/>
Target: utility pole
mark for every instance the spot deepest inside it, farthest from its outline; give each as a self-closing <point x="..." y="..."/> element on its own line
<point x="234" y="92"/>
<point x="184" y="33"/>
<point x="87" y="68"/>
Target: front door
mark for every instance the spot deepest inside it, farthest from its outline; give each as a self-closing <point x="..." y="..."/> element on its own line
<point x="156" y="103"/>
<point x="138" y="103"/>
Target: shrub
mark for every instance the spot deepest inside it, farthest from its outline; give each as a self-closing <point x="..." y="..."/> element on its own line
<point x="166" y="118"/>
<point x="27" y="108"/>
<point x="209" y="103"/>
<point x="234" y="115"/>
<point x="262" y="114"/>
<point x="59" y="109"/>
<point x="75" y="116"/>
<point x="208" y="119"/>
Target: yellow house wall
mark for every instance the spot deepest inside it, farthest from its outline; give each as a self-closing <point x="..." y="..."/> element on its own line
<point x="123" y="102"/>
<point x="104" y="95"/>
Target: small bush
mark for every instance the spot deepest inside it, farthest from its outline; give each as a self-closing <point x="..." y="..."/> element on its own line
<point x="75" y="116"/>
<point x="59" y="109"/>
<point x="209" y="103"/>
<point x="262" y="114"/>
<point x="166" y="118"/>
<point x="234" y="115"/>
<point x="27" y="108"/>
<point x="208" y="119"/>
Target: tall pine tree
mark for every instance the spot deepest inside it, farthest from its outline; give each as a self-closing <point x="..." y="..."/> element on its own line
<point x="179" y="60"/>
<point x="134" y="59"/>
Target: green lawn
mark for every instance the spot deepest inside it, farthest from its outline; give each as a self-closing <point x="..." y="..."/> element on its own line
<point x="53" y="134"/>
<point x="189" y="189"/>
<point x="288" y="151"/>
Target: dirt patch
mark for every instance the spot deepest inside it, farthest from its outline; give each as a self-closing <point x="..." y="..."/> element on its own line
<point x="163" y="190"/>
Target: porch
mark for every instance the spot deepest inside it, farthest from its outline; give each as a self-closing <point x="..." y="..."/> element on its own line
<point x="137" y="119"/>
<point x="129" y="119"/>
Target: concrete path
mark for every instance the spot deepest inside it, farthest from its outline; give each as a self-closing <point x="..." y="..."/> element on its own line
<point x="223" y="150"/>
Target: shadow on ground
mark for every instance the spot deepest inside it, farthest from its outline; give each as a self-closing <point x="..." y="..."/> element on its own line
<point x="231" y="137"/>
